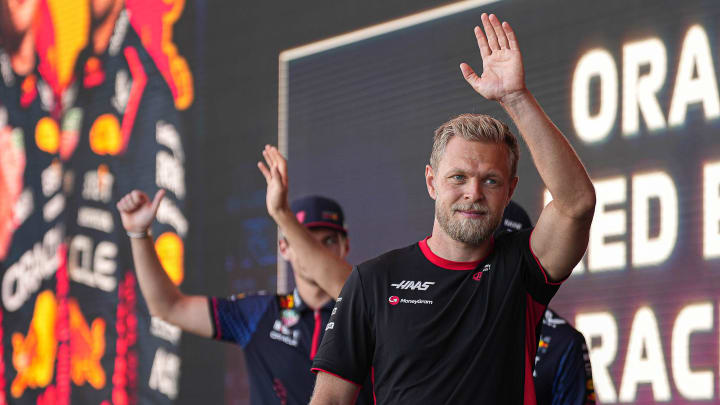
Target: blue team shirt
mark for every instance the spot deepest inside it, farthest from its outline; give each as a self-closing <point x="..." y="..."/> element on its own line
<point x="562" y="365"/>
<point x="280" y="336"/>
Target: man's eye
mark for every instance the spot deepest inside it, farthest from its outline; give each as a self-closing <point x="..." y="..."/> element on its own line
<point x="491" y="181"/>
<point x="458" y="177"/>
<point x="330" y="241"/>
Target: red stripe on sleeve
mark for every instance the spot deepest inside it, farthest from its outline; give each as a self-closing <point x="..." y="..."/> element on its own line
<point x="542" y="269"/>
<point x="372" y="378"/>
<point x="216" y="319"/>
<point x="317" y="370"/>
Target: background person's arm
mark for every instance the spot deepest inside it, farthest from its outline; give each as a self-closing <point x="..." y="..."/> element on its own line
<point x="164" y="299"/>
<point x="311" y="259"/>
<point x="561" y="235"/>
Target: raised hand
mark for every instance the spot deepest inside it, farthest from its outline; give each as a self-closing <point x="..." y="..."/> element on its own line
<point x="137" y="212"/>
<point x="503" y="73"/>
<point x="276" y="176"/>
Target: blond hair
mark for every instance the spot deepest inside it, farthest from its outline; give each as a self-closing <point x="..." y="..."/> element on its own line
<point x="475" y="128"/>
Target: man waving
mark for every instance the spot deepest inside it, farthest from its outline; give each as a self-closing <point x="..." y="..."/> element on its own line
<point x="454" y="318"/>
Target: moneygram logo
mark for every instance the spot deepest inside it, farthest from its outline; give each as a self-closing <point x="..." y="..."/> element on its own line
<point x="394" y="300"/>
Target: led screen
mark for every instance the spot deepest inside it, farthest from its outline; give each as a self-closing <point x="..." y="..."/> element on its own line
<point x="632" y="84"/>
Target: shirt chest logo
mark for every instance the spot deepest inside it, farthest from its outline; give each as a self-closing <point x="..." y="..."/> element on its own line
<point x="478" y="276"/>
<point x="284" y="334"/>
<point x="413" y="285"/>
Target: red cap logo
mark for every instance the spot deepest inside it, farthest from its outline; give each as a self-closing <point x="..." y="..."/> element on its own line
<point x="394" y="300"/>
<point x="301" y="217"/>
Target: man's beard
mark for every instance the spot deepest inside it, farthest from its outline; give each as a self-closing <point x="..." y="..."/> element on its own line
<point x="472" y="231"/>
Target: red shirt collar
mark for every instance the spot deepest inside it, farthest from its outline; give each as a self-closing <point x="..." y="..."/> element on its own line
<point x="449" y="264"/>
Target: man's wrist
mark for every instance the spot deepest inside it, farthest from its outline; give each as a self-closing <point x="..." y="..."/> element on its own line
<point x="514" y="98"/>
<point x="138" y="235"/>
<point x="282" y="216"/>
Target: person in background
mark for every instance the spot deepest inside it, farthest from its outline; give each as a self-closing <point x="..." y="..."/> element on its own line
<point x="280" y="334"/>
<point x="563" y="375"/>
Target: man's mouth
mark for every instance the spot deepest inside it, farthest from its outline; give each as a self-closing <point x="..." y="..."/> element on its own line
<point x="471" y="213"/>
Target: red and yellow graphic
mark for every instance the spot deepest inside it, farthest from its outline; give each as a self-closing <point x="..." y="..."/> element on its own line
<point x="87" y="346"/>
<point x="47" y="135"/>
<point x="12" y="167"/>
<point x="105" y="136"/>
<point x="62" y="32"/>
<point x="154" y="21"/>
<point x="93" y="73"/>
<point x="34" y="354"/>
<point x="28" y="90"/>
<point x="170" y="251"/>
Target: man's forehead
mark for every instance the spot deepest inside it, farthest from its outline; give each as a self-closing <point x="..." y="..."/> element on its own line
<point x="463" y="154"/>
<point x="320" y="232"/>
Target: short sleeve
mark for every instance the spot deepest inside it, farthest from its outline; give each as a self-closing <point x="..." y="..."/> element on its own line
<point x="348" y="346"/>
<point x="537" y="282"/>
<point x="235" y="319"/>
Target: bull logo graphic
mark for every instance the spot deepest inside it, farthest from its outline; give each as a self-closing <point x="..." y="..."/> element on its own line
<point x="87" y="346"/>
<point x="34" y="354"/>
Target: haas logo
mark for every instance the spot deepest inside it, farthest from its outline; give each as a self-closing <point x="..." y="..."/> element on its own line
<point x="394" y="300"/>
<point x="413" y="285"/>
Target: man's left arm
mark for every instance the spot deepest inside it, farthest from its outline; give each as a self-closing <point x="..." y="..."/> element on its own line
<point x="312" y="259"/>
<point x="561" y="235"/>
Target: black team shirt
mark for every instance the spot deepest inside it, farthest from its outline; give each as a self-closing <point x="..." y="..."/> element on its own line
<point x="431" y="331"/>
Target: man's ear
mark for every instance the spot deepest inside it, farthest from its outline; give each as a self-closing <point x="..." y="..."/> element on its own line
<point x="284" y="249"/>
<point x="430" y="181"/>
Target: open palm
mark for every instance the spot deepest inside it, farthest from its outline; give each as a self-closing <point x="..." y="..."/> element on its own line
<point x="503" y="72"/>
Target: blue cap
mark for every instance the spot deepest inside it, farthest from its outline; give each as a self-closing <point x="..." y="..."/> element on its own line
<point x="514" y="219"/>
<point x="319" y="212"/>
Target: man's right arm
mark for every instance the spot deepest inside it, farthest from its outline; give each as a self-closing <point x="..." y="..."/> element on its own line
<point x="164" y="299"/>
<point x="333" y="390"/>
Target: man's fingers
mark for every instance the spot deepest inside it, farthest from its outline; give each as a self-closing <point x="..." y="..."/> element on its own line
<point x="125" y="204"/>
<point x="512" y="39"/>
<point x="265" y="172"/>
<point x="157" y="199"/>
<point x="269" y="158"/>
<point x="469" y="74"/>
<point x="499" y="32"/>
<point x="490" y="33"/>
<point x="276" y="174"/>
<point x="138" y="197"/>
<point x="281" y="165"/>
<point x="482" y="42"/>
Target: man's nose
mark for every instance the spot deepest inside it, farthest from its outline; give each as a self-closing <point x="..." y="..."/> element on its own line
<point x="473" y="191"/>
